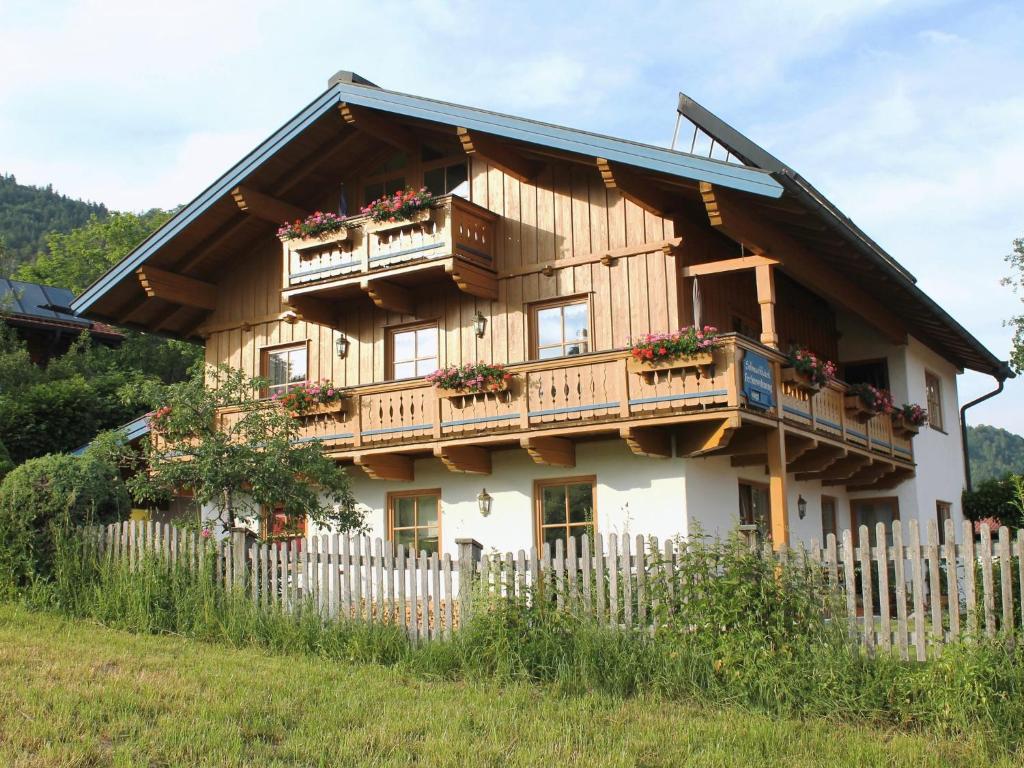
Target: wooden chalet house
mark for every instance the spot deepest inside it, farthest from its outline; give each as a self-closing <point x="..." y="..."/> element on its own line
<point x="548" y="250"/>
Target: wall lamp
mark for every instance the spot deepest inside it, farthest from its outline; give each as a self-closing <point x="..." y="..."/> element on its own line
<point x="480" y="325"/>
<point x="484" y="501"/>
<point x="801" y="507"/>
<point x="341" y="345"/>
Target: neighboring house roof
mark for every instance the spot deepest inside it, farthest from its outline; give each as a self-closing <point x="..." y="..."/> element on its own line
<point x="132" y="431"/>
<point x="44" y="306"/>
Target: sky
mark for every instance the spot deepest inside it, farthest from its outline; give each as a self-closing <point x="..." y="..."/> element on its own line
<point x="908" y="115"/>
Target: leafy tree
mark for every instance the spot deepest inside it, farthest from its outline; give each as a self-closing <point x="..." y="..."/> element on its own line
<point x="995" y="497"/>
<point x="994" y="452"/>
<point x="28" y="213"/>
<point x="1016" y="281"/>
<point x="241" y="463"/>
<point x="47" y="496"/>
<point x="75" y="259"/>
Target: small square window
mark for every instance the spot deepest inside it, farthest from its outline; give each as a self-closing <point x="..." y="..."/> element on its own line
<point x="561" y="330"/>
<point x="414" y="520"/>
<point x="285" y="368"/>
<point x="565" y="509"/>
<point x="414" y="351"/>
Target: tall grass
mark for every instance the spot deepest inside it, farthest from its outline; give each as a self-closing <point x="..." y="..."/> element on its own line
<point x="734" y="628"/>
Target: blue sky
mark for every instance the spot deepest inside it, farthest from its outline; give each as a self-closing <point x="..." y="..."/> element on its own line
<point x="908" y="115"/>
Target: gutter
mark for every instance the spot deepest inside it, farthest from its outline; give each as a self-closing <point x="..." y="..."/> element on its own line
<point x="963" y="427"/>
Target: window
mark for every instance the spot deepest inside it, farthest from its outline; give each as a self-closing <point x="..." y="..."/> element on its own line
<point x="561" y="329"/>
<point x="933" y="394"/>
<point x="564" y="508"/>
<point x="386" y="179"/>
<point x="943" y="512"/>
<point x="413" y="351"/>
<point x="279" y="527"/>
<point x="870" y="512"/>
<point x="284" y="368"/>
<point x="873" y="372"/>
<point x="448" y="179"/>
<point x="828" y="517"/>
<point x="755" y="508"/>
<point x="414" y="519"/>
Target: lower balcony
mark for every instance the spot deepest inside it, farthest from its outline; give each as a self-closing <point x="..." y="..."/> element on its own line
<point x="727" y="404"/>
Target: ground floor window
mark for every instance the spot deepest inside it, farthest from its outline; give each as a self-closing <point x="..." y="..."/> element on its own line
<point x="870" y="512"/>
<point x="277" y="526"/>
<point x="414" y="519"/>
<point x="943" y="512"/>
<point x="564" y="510"/>
<point x="828" y="518"/>
<point x="755" y="507"/>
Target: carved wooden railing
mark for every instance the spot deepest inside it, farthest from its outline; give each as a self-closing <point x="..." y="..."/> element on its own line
<point x="451" y="227"/>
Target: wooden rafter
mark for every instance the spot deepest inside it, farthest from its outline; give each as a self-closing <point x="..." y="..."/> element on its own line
<point x="838" y="470"/>
<point x="797" y="446"/>
<point x="498" y="154"/>
<point x="379" y="127"/>
<point x="702" y="437"/>
<point x="386" y="466"/>
<point x="314" y="310"/>
<point x="893" y="478"/>
<point x="177" y="289"/>
<point x="727" y="265"/>
<point x="470" y="459"/>
<point x="655" y="442"/>
<point x="389" y="296"/>
<point x="474" y="280"/>
<point x="866" y="475"/>
<point x="550" y="451"/>
<point x="818" y="459"/>
<point x="729" y="214"/>
<point x="633" y="188"/>
<point x="265" y="207"/>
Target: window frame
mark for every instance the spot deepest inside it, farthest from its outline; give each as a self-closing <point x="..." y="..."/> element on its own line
<point x="389" y="512"/>
<point x="266" y="512"/>
<point x="412" y="175"/>
<point x="760" y="486"/>
<point x="389" y="351"/>
<point x="947" y="506"/>
<point x="883" y="361"/>
<point x="266" y="352"/>
<point x="562" y="301"/>
<point x="941" y="425"/>
<point x="538" y="506"/>
<point x="835" y="516"/>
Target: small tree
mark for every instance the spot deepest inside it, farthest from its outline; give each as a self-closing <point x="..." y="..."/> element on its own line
<point x="239" y="462"/>
<point x="1016" y="282"/>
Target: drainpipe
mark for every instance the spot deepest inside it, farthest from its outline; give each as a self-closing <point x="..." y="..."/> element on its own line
<point x="963" y="428"/>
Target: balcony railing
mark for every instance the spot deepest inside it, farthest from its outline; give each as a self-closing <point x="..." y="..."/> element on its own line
<point x="452" y="228"/>
<point x="592" y="393"/>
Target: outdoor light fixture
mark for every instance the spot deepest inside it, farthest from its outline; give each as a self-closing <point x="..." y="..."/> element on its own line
<point x="483" y="501"/>
<point x="801" y="507"/>
<point x="480" y="325"/>
<point x="341" y="345"/>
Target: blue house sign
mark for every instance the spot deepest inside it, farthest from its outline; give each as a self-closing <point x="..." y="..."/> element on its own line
<point x="758" y="382"/>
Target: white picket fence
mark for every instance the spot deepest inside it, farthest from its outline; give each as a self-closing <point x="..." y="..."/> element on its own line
<point x="901" y="591"/>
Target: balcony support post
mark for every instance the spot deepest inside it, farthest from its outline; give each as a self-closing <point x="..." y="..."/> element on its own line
<point x="777" y="487"/>
<point x="765" y="279"/>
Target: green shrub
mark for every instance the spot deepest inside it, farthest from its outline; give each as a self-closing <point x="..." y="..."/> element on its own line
<point x="43" y="499"/>
<point x="994" y="498"/>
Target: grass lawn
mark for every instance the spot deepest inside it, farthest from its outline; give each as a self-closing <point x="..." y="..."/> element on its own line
<point x="76" y="694"/>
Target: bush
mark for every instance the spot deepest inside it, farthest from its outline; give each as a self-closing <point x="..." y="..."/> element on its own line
<point x="994" y="498"/>
<point x="43" y="499"/>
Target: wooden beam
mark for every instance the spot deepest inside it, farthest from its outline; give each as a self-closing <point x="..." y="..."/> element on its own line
<point x="380" y="128"/>
<point x="386" y="466"/>
<point x="728" y="265"/>
<point x="472" y="279"/>
<point x="182" y="316"/>
<point x="389" y="296"/>
<point x="838" y="470"/>
<point x="655" y="442"/>
<point x="499" y="155"/>
<point x="265" y="207"/>
<point x="732" y="216"/>
<point x="866" y="475"/>
<point x="633" y="188"/>
<point x="749" y="460"/>
<point x="778" y="480"/>
<point x="797" y="446"/>
<point x="895" y="477"/>
<point x="550" y="451"/>
<point x="177" y="289"/>
<point x="703" y="437"/>
<point x="318" y="311"/>
<point x="765" y="280"/>
<point x="470" y="459"/>
<point x="818" y="459"/>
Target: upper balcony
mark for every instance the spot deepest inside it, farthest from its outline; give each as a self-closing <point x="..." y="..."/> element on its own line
<point x="727" y="404"/>
<point x="452" y="240"/>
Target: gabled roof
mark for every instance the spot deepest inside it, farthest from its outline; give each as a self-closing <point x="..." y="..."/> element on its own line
<point x="355" y="90"/>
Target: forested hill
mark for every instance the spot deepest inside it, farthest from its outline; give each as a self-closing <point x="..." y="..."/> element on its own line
<point x="994" y="452"/>
<point x="28" y="214"/>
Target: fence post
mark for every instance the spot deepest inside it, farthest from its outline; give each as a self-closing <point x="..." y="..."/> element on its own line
<point x="241" y="540"/>
<point x="470" y="551"/>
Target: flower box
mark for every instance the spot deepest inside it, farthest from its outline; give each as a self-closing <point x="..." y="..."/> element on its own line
<point x="499" y="387"/>
<point x="300" y="244"/>
<point x="857" y="409"/>
<point x="419" y="218"/>
<point x="643" y="367"/>
<point x="801" y="381"/>
<point x="902" y="427"/>
<point x="335" y="409"/>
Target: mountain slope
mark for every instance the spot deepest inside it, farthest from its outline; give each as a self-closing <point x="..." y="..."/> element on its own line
<point x="994" y="452"/>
